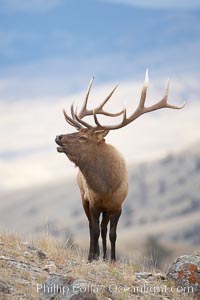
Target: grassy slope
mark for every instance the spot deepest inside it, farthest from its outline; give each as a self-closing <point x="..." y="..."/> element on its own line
<point x="23" y="265"/>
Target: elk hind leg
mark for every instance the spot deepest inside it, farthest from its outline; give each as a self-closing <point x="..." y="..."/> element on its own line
<point x="113" y="235"/>
<point x="104" y="223"/>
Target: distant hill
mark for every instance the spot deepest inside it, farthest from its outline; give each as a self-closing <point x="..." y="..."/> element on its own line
<point x="163" y="200"/>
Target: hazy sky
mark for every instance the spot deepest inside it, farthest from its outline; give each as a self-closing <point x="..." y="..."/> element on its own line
<point x="157" y="4"/>
<point x="51" y="47"/>
<point x="49" y="50"/>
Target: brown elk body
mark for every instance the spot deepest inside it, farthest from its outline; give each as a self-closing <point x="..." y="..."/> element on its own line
<point x="103" y="183"/>
<point x="102" y="176"/>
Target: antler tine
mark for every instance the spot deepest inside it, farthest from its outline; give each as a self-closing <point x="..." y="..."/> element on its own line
<point x="139" y="109"/>
<point x="100" y="110"/>
<point x="83" y="122"/>
<point x="72" y="111"/>
<point x="166" y="96"/>
<point x="77" y="118"/>
<point x="72" y="121"/>
<point x="84" y="110"/>
<point x="108" y="97"/>
<point x="163" y="102"/>
<point x="109" y="127"/>
<point x="144" y="90"/>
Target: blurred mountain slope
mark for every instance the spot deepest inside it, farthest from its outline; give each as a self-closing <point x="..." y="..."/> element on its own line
<point x="163" y="200"/>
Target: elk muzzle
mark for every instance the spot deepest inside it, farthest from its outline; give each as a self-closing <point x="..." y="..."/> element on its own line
<point x="58" y="141"/>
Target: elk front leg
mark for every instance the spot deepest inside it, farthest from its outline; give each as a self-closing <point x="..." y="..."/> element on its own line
<point x="113" y="235"/>
<point x="86" y="206"/>
<point x="95" y="231"/>
<point x="104" y="223"/>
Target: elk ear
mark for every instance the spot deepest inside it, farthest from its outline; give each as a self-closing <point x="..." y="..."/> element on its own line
<point x="100" y="136"/>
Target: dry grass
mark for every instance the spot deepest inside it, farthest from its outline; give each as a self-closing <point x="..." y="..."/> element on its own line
<point x="21" y="269"/>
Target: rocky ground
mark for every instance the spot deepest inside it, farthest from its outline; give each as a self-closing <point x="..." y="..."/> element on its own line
<point x="46" y="269"/>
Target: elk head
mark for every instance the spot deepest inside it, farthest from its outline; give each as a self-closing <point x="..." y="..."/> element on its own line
<point x="89" y="137"/>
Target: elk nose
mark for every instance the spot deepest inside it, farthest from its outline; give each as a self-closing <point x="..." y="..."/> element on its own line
<point x="58" y="138"/>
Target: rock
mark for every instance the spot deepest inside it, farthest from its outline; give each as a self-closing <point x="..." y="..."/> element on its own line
<point x="160" y="276"/>
<point x="82" y="290"/>
<point x="66" y="288"/>
<point x="56" y="287"/>
<point x="83" y="296"/>
<point x="50" y="268"/>
<point x="30" y="247"/>
<point x="4" y="287"/>
<point x="41" y="254"/>
<point x="185" y="273"/>
<point x="20" y="265"/>
<point x="27" y="254"/>
<point x="107" y="293"/>
<point x="143" y="275"/>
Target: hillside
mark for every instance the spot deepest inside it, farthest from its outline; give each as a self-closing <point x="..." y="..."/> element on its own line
<point x="46" y="269"/>
<point x="163" y="199"/>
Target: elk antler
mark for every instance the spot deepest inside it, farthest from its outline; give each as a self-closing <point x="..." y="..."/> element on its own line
<point x="76" y="119"/>
<point x="141" y="109"/>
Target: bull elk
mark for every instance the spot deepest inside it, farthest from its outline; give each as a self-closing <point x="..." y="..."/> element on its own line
<point x="102" y="177"/>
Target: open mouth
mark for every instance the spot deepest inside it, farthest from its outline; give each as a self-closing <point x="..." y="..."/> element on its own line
<point x="60" y="149"/>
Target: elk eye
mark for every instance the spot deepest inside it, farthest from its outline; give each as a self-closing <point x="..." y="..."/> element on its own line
<point x="83" y="138"/>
